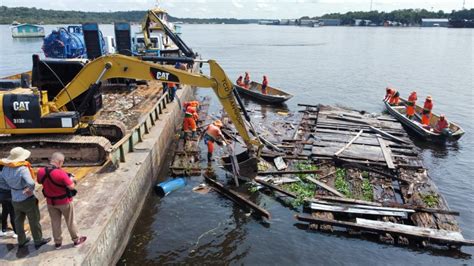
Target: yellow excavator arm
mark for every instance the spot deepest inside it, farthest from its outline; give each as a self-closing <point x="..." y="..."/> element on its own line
<point x="121" y="66"/>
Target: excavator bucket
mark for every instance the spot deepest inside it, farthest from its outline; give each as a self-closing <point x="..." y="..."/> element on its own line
<point x="248" y="164"/>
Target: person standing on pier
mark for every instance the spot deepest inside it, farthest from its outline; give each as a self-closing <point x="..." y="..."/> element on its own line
<point x="58" y="187"/>
<point x="426" y="114"/>
<point x="247" y="80"/>
<point x="411" y="103"/>
<point x="17" y="175"/>
<point x="172" y="90"/>
<point x="190" y="119"/>
<point x="264" y="85"/>
<point x="213" y="135"/>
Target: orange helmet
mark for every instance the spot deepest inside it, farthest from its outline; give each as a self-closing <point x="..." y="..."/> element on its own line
<point x="218" y="123"/>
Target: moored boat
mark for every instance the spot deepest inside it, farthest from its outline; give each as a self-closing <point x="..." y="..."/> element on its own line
<point x="273" y="96"/>
<point x="399" y="112"/>
<point x="27" y="31"/>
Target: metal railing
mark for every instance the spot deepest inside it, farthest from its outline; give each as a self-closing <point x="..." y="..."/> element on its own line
<point x="127" y="143"/>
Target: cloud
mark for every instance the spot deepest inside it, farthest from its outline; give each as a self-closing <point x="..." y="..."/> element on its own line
<point x="237" y="4"/>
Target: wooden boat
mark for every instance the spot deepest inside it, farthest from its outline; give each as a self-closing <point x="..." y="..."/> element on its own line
<point x="399" y="112"/>
<point x="273" y="96"/>
<point x="27" y="31"/>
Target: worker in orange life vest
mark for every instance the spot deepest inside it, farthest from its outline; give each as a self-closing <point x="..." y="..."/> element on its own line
<point x="411" y="103"/>
<point x="213" y="135"/>
<point x="395" y="99"/>
<point x="247" y="80"/>
<point x="388" y="94"/>
<point x="239" y="82"/>
<point x="426" y="114"/>
<point x="189" y="122"/>
<point x="442" y="124"/>
<point x="264" y="85"/>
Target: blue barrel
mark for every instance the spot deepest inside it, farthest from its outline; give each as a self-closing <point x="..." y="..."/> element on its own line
<point x="164" y="188"/>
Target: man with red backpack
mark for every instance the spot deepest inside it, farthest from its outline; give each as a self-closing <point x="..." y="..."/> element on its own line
<point x="58" y="189"/>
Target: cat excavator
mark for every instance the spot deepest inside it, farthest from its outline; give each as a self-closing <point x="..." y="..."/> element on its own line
<point x="28" y="117"/>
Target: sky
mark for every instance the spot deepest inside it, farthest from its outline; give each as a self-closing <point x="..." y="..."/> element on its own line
<point x="243" y="8"/>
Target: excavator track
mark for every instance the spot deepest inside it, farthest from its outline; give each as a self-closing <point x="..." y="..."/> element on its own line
<point x="112" y="130"/>
<point x="78" y="150"/>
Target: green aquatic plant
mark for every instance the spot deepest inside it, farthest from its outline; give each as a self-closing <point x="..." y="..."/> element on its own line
<point x="305" y="166"/>
<point x="302" y="191"/>
<point x="367" y="190"/>
<point x="431" y="200"/>
<point x="341" y="184"/>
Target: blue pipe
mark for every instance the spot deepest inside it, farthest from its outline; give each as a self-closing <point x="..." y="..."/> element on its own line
<point x="164" y="188"/>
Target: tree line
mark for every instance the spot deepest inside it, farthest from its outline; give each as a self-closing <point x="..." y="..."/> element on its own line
<point x="38" y="15"/>
<point x="404" y="16"/>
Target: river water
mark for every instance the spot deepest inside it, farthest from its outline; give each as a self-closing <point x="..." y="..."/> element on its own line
<point x="349" y="66"/>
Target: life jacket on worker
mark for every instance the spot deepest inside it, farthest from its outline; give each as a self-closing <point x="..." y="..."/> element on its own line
<point x="171" y="85"/>
<point x="239" y="81"/>
<point x="191" y="111"/>
<point x="388" y="93"/>
<point x="395" y="99"/>
<point x="428" y="106"/>
<point x="442" y="124"/>
<point x="410" y="104"/>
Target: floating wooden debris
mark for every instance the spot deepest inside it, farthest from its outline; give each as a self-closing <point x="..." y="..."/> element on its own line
<point x="234" y="196"/>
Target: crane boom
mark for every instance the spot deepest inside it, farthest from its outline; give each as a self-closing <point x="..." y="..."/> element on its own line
<point x="121" y="66"/>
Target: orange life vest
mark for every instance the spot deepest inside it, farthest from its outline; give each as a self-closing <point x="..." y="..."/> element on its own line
<point x="411" y="104"/>
<point x="442" y="124"/>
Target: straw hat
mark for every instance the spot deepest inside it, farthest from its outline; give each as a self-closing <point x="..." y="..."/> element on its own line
<point x="17" y="154"/>
<point x="218" y="123"/>
<point x="429" y="98"/>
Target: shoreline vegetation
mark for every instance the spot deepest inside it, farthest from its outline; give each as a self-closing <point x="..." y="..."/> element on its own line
<point x="42" y="16"/>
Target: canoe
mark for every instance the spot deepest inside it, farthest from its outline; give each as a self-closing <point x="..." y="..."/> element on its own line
<point x="274" y="96"/>
<point x="399" y="112"/>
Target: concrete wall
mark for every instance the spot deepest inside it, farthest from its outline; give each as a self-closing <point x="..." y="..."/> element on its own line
<point x="144" y="163"/>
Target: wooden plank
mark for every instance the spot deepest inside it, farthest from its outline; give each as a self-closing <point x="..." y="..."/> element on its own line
<point x="420" y="208"/>
<point x="387" y="154"/>
<point x="358" y="121"/>
<point x="386" y="134"/>
<point x="422" y="231"/>
<point x="326" y="187"/>
<point x="349" y="144"/>
<point x="341" y="209"/>
<point x="234" y="196"/>
<point x="271" y="186"/>
<point x="362" y="206"/>
<point x="294" y="172"/>
<point x="408" y="234"/>
<point x="346" y="200"/>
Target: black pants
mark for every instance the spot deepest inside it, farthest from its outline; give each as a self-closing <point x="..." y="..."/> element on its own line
<point x="7" y="209"/>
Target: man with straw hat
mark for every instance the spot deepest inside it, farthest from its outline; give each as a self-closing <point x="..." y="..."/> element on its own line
<point x="18" y="176"/>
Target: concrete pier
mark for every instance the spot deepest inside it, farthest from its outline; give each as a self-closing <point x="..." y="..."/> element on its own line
<point x="108" y="203"/>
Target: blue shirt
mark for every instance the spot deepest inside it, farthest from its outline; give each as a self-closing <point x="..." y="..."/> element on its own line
<point x="17" y="179"/>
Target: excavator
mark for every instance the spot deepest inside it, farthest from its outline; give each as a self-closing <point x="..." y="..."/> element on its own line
<point x="30" y="119"/>
<point x="154" y="22"/>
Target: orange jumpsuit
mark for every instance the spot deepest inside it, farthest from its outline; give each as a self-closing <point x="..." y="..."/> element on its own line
<point x="442" y="124"/>
<point x="426" y="115"/>
<point x="190" y="119"/>
<point x="213" y="133"/>
<point x="411" y="105"/>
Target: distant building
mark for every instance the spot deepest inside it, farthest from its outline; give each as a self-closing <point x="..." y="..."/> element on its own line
<point x="362" y="22"/>
<point x="27" y="30"/>
<point x="434" y="22"/>
<point x="287" y="22"/>
<point x="330" y="22"/>
<point x="309" y="22"/>
<point x="269" y="22"/>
